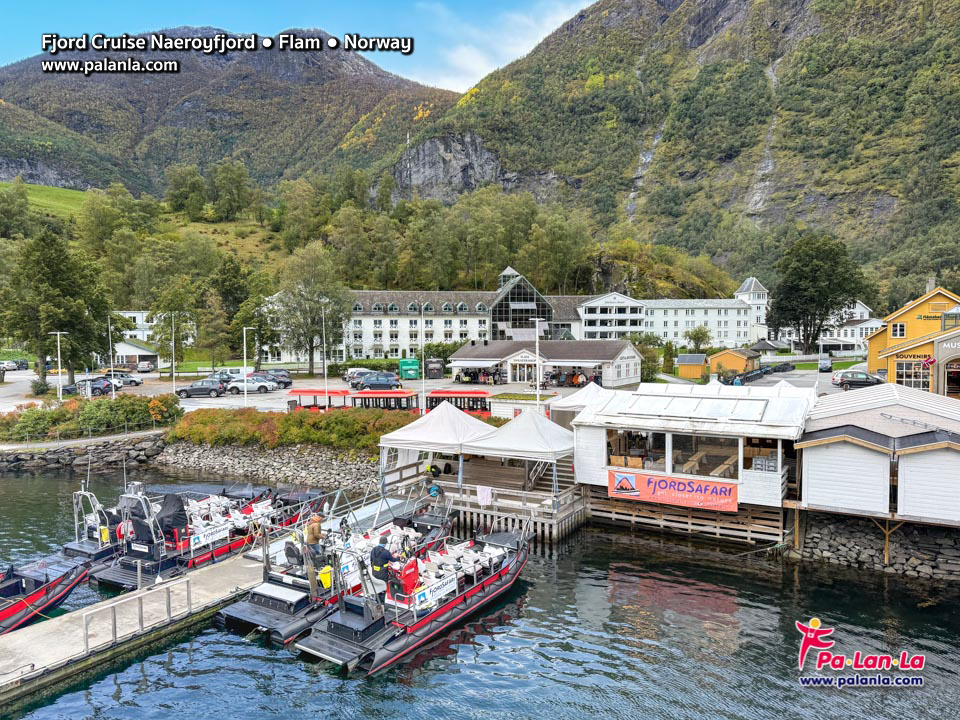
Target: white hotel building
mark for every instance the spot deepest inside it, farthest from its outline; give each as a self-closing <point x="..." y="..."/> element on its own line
<point x="394" y="323"/>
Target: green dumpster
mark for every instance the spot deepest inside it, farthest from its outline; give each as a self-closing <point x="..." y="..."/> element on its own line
<point x="409" y="369"/>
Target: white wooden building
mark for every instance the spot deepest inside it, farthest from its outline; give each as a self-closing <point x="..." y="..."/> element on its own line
<point x="732" y="440"/>
<point x="886" y="451"/>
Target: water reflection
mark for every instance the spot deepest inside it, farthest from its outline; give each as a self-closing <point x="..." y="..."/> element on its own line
<point x="620" y="625"/>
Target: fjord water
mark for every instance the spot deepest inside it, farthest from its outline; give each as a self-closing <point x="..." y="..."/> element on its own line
<point x="619" y="625"/>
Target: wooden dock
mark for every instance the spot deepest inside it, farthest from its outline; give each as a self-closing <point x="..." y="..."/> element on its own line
<point x="511" y="493"/>
<point x="61" y="649"/>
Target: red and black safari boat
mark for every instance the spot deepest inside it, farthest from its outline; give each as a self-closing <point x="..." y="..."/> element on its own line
<point x="421" y="599"/>
<point x="31" y="592"/>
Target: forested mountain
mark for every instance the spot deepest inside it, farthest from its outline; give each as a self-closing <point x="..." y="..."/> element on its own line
<point x="285" y="114"/>
<point x="715" y="125"/>
<point x="719" y="127"/>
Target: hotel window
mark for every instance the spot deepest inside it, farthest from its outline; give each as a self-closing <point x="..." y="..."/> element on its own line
<point x="358" y="337"/>
<point x="412" y="307"/>
<point x="464" y="336"/>
<point x="357" y="307"/>
<point x="447" y="308"/>
<point x="463" y="323"/>
<point x="447" y="336"/>
<point x="462" y="307"/>
<point x="377" y="336"/>
<point x="394" y="337"/>
<point x="428" y="322"/>
<point x="913" y="375"/>
<point x="413" y="323"/>
<point x="393" y="308"/>
<point x="482" y="322"/>
<point x="427" y="307"/>
<point x="898" y="330"/>
<point x="428" y="336"/>
<point x="358" y="324"/>
<point x="413" y="336"/>
<point x="448" y="323"/>
<point x="393" y="324"/>
<point x="377" y="307"/>
<point x="378" y="323"/>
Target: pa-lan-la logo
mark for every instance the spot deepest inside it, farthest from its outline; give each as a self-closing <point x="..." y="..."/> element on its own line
<point x="816" y="637"/>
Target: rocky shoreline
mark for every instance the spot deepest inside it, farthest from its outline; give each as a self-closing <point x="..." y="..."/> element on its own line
<point x="919" y="551"/>
<point x="299" y="465"/>
<point x="140" y="449"/>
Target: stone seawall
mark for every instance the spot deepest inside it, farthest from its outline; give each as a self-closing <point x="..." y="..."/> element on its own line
<point x="139" y="449"/>
<point x="915" y="550"/>
<point x="299" y="465"/>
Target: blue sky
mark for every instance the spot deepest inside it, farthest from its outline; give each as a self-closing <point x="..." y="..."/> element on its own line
<point x="456" y="42"/>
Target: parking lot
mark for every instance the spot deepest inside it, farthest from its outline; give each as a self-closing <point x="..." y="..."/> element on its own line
<point x="17" y="387"/>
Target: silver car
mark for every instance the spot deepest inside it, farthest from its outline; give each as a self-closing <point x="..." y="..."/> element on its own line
<point x="252" y="385"/>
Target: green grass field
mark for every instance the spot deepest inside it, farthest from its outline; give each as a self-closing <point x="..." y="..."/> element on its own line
<point x="52" y="200"/>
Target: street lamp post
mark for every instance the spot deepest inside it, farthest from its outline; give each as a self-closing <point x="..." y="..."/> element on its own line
<point x="323" y="335"/>
<point x="173" y="351"/>
<point x="245" y="363"/>
<point x="423" y="365"/>
<point x="536" y="339"/>
<point x="59" y="366"/>
<point x="113" y="388"/>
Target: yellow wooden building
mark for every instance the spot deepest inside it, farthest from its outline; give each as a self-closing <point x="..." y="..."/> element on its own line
<point x="691" y="366"/>
<point x="736" y="359"/>
<point x="919" y="344"/>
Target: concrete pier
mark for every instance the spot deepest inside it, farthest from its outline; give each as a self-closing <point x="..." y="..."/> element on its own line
<point x="57" y="650"/>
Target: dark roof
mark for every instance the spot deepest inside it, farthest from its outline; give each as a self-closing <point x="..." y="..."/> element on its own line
<point x="751" y="284"/>
<point x="692" y="359"/>
<point x="927" y="438"/>
<point x="402" y="298"/>
<point x="856" y="321"/>
<point x="565" y="306"/>
<point x="585" y="350"/>
<point x="854" y="431"/>
<point x="742" y="352"/>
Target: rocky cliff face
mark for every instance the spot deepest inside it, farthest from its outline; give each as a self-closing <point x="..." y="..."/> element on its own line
<point x="37" y="172"/>
<point x="442" y="168"/>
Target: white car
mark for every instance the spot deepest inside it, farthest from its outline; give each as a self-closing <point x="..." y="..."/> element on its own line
<point x="252" y="384"/>
<point x="8" y="365"/>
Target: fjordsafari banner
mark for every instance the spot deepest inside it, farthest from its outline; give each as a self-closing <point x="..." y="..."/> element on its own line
<point x="686" y="492"/>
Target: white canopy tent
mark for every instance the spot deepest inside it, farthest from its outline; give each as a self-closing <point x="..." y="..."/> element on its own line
<point x="529" y="436"/>
<point x="589" y="394"/>
<point x="445" y="429"/>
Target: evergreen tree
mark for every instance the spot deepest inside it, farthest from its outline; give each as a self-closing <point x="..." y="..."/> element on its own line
<point x="14" y="209"/>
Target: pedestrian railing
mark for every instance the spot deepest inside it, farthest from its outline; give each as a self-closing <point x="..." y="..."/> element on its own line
<point x="168" y="614"/>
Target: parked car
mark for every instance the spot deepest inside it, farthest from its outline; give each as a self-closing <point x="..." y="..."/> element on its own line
<point x="145" y="366"/>
<point x="9" y="365"/>
<point x="252" y="385"/>
<point x="854" y="378"/>
<point x="282" y="375"/>
<point x="221" y="375"/>
<point x="825" y="364"/>
<point x="22" y="364"/>
<point x="766" y="369"/>
<point x="98" y="387"/>
<point x="351" y="373"/>
<point x="125" y="378"/>
<point x="203" y="388"/>
<point x="784" y="367"/>
<point x="271" y="378"/>
<point x="358" y="378"/>
<point x="380" y="381"/>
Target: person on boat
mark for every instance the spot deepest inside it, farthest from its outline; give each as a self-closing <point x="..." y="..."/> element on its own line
<point x="380" y="559"/>
<point x="315" y="533"/>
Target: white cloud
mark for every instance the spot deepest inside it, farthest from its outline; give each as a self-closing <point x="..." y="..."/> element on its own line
<point x="476" y="50"/>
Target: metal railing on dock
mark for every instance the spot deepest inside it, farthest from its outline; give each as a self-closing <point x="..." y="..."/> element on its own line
<point x="168" y="615"/>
